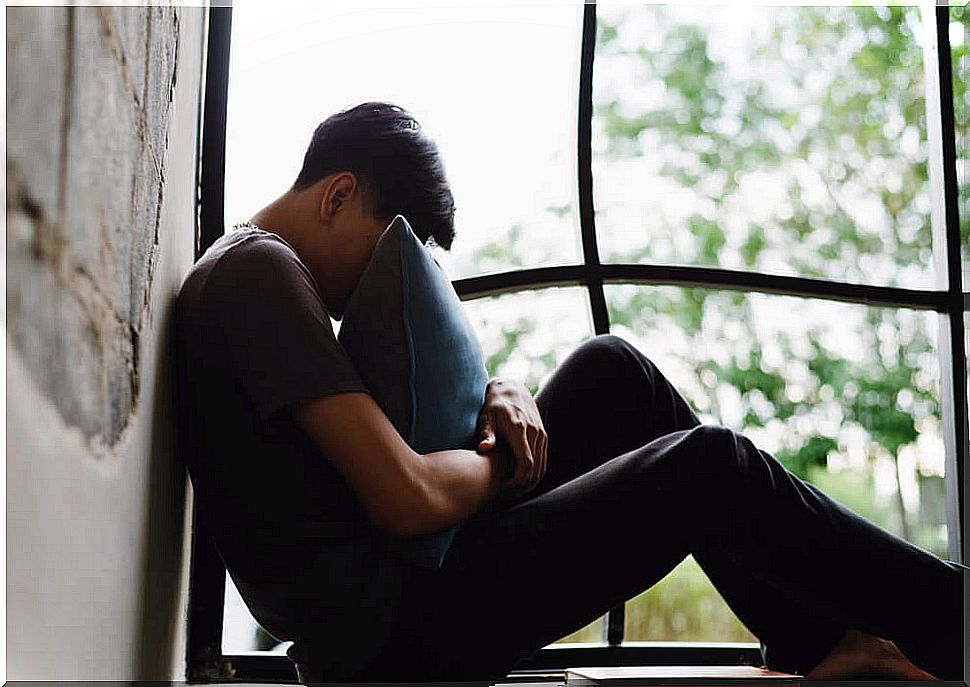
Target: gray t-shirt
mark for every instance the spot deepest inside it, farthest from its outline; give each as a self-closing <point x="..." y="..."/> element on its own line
<point x="253" y="339"/>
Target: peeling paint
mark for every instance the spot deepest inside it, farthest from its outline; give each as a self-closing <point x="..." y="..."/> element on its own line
<point x="100" y="252"/>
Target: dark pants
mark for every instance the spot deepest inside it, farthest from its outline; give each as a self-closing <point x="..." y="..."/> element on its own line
<point x="635" y="484"/>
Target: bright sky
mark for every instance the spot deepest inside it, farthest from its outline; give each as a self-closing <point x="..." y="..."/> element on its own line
<point x="494" y="86"/>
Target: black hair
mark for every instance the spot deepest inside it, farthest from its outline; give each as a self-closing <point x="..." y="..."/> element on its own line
<point x="398" y="165"/>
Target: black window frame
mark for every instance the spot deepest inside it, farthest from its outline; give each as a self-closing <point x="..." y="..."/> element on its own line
<point x="205" y="659"/>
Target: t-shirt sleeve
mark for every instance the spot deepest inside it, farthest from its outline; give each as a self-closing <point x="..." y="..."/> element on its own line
<point x="277" y="331"/>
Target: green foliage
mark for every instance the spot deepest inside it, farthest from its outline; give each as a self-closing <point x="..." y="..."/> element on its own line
<point x="851" y="93"/>
<point x="753" y="244"/>
<point x="813" y="453"/>
<point x="684" y="604"/>
<point x="540" y="364"/>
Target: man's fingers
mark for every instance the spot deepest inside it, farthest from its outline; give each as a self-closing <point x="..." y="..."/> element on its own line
<point x="541" y="454"/>
<point x="511" y="419"/>
<point x="487" y="441"/>
<point x="532" y="437"/>
<point x="486" y="433"/>
<point x="532" y="474"/>
<point x="524" y="461"/>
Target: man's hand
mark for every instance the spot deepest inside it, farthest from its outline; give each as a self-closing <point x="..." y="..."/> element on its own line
<point x="510" y="415"/>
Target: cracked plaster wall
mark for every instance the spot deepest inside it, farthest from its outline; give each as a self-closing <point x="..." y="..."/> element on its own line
<point x="102" y="115"/>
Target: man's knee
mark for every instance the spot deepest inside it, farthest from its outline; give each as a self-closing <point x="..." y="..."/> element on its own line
<point x="616" y="351"/>
<point x="599" y="373"/>
<point x="703" y="455"/>
<point x="601" y="344"/>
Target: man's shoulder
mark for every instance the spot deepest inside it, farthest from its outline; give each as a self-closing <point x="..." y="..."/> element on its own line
<point x="244" y="251"/>
<point x="236" y="261"/>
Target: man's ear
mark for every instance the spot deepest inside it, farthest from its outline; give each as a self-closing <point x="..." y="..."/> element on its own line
<point x="336" y="193"/>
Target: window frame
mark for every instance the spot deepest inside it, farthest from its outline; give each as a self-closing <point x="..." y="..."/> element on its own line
<point x="205" y="659"/>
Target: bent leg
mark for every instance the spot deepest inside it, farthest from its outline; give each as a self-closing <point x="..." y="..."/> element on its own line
<point x="608" y="398"/>
<point x="605" y="399"/>
<point x="612" y="516"/>
<point x="547" y="566"/>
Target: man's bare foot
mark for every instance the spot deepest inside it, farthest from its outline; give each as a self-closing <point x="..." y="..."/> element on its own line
<point x="864" y="656"/>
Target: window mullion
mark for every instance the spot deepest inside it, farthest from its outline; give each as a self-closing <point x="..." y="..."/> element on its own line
<point x="941" y="139"/>
<point x="213" y="144"/>
<point x="587" y="225"/>
<point x="207" y="583"/>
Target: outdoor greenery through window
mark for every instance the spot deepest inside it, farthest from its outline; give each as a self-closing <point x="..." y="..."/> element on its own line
<point x="778" y="140"/>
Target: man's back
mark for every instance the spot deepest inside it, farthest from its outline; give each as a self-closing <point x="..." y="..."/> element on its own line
<point x="253" y="339"/>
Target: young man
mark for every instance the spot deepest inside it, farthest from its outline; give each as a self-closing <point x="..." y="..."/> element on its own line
<point x="615" y="480"/>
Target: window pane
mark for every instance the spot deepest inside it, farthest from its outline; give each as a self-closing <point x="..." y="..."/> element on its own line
<point x="591" y="634"/>
<point x="684" y="606"/>
<point x="240" y="631"/>
<point x="787" y="140"/>
<point x="525" y="335"/>
<point x="845" y="395"/>
<point x="494" y="86"/>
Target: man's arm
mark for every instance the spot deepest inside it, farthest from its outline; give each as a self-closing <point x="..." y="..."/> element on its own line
<point x="403" y="492"/>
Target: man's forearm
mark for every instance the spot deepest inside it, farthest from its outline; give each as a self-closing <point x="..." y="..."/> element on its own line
<point x="454" y="485"/>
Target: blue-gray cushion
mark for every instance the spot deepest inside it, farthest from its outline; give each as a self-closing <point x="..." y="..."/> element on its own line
<point x="417" y="353"/>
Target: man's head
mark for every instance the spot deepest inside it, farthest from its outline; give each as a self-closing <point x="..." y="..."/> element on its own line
<point x="397" y="167"/>
<point x="363" y="166"/>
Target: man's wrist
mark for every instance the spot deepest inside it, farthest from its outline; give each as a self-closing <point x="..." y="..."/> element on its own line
<point x="503" y="460"/>
<point x="509" y="464"/>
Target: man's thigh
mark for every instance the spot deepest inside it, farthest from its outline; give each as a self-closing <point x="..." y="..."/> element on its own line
<point x="604" y="399"/>
<point x="518" y="579"/>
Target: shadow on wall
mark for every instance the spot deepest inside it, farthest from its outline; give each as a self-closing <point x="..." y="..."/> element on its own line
<point x="164" y="520"/>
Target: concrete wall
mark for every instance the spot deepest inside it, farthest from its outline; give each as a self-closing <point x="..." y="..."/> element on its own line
<point x="102" y="118"/>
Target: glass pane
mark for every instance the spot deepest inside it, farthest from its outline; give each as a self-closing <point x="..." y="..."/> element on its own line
<point x="788" y="140"/>
<point x="684" y="606"/>
<point x="959" y="26"/>
<point x="845" y="395"/>
<point x="240" y="631"/>
<point x="592" y="633"/>
<point x="525" y="335"/>
<point x="494" y="86"/>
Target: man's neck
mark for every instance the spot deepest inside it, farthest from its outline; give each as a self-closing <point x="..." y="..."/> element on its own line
<point x="291" y="217"/>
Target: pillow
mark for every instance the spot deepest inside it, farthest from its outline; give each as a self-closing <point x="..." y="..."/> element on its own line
<point x="415" y="350"/>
